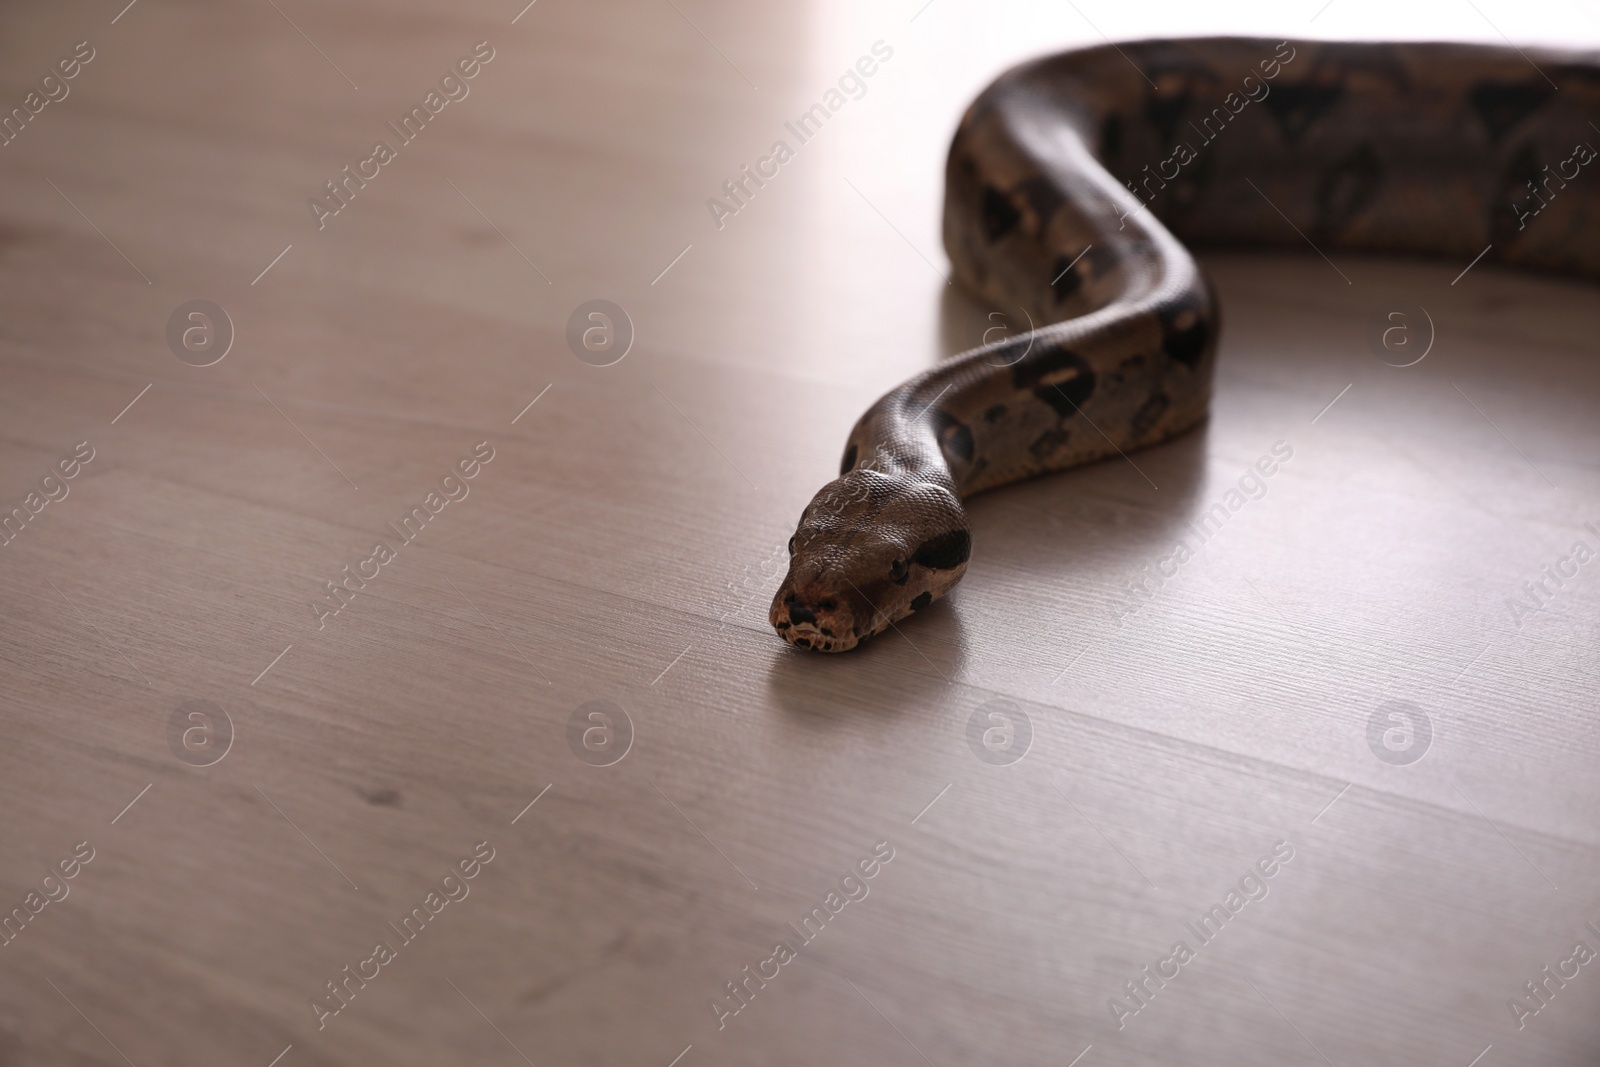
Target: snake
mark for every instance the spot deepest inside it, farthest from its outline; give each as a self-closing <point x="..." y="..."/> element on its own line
<point x="1074" y="187"/>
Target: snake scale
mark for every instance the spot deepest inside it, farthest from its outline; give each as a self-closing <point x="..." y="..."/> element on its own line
<point x="1074" y="183"/>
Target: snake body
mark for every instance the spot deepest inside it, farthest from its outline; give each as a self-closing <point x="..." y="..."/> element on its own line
<point x="1074" y="183"/>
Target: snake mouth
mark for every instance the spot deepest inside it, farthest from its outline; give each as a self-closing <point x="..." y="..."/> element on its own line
<point x="822" y="624"/>
<point x="817" y="640"/>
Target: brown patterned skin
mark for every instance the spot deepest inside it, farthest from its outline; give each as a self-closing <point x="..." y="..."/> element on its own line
<point x="1129" y="152"/>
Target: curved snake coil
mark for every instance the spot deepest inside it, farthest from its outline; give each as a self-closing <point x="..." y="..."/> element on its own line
<point x="1070" y="184"/>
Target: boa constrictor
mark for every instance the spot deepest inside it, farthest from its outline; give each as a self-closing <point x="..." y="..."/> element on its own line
<point x="1070" y="184"/>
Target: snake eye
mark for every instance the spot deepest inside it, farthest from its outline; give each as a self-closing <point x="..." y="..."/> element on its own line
<point x="899" y="571"/>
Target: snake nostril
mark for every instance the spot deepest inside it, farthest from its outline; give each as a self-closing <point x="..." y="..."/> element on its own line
<point x="827" y="605"/>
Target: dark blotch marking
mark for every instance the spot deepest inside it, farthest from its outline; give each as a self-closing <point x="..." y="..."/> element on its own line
<point x="994" y="414"/>
<point x="802" y="642"/>
<point x="921" y="601"/>
<point x="1185" y="334"/>
<point x="1057" y="377"/>
<point x="944" y="551"/>
<point x="1187" y="188"/>
<point x="1513" y="190"/>
<point x="1101" y="260"/>
<point x="1129" y="367"/>
<point x="1296" y="107"/>
<point x="1348" y="188"/>
<point x="1165" y="115"/>
<point x="783" y="625"/>
<point x="1150" y="413"/>
<point x="1065" y="283"/>
<point x="849" y="461"/>
<point x="1043" y="197"/>
<point x="955" y="437"/>
<point x="1500" y="106"/>
<point x="1111" y="138"/>
<point x="1043" y="446"/>
<point x="1000" y="216"/>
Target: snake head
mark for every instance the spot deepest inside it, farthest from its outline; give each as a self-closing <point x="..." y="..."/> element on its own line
<point x="871" y="548"/>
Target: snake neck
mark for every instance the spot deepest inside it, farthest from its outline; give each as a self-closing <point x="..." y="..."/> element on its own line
<point x="1128" y="364"/>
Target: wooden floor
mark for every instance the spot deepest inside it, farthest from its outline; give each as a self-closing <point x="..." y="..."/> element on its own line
<point x="1338" y="674"/>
